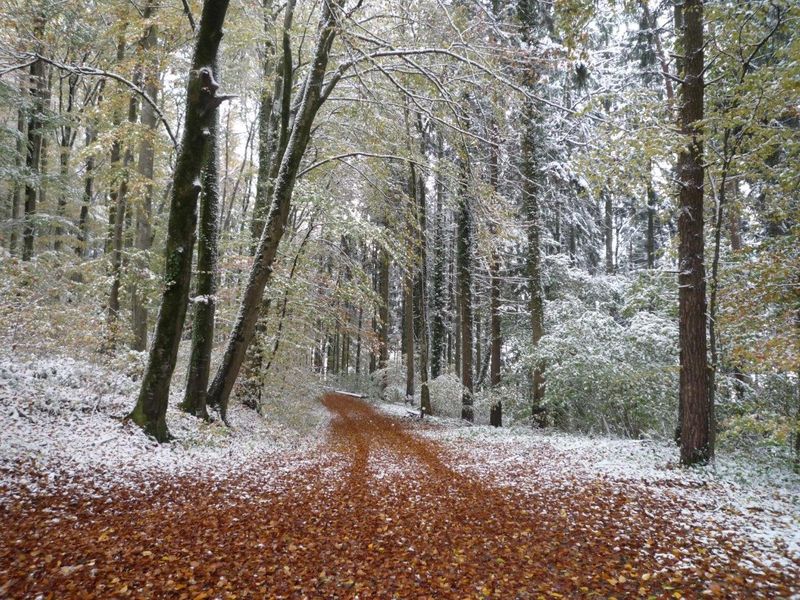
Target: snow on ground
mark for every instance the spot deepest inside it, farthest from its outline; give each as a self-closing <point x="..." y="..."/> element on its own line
<point x="734" y="496"/>
<point x="62" y="423"/>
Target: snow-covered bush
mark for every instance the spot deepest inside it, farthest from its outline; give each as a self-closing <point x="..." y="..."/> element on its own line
<point x="446" y="396"/>
<point x="609" y="376"/>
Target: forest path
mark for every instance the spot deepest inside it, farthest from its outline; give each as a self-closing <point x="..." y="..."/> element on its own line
<point x="383" y="513"/>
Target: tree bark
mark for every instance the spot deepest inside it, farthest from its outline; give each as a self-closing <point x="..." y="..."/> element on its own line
<point x="697" y="444"/>
<point x="16" y="195"/>
<point x="81" y="248"/>
<point x="201" y="105"/>
<point x="437" y="327"/>
<point x="64" y="155"/>
<point x="122" y="216"/>
<point x="144" y="209"/>
<point x="608" y="231"/>
<point x="33" y="157"/>
<point x="464" y="254"/>
<point x="650" y="242"/>
<point x="496" y="342"/>
<point x="530" y="201"/>
<point x="408" y="333"/>
<point x="194" y="399"/>
<point x="261" y="272"/>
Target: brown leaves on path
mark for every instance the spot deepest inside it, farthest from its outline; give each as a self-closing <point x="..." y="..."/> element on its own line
<point x="381" y="515"/>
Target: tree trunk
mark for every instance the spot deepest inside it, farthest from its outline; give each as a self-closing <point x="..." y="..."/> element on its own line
<point x="261" y="272"/>
<point x="383" y="314"/>
<point x="608" y="231"/>
<point x="437" y="328"/>
<point x="697" y="445"/>
<point x="408" y="334"/>
<point x="144" y="209"/>
<point x="81" y="248"/>
<point x="358" y="340"/>
<point x="33" y="157"/>
<point x="650" y="242"/>
<point x="122" y="216"/>
<point x="16" y="197"/>
<point x="464" y="253"/>
<point x="496" y="342"/>
<point x="530" y="200"/>
<point x="194" y="399"/>
<point x="268" y="125"/>
<point x="64" y="155"/>
<point x="201" y="105"/>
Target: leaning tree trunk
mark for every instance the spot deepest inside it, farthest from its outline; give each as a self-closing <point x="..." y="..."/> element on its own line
<point x="261" y="272"/>
<point x="194" y="398"/>
<point x="697" y="445"/>
<point x="201" y="106"/>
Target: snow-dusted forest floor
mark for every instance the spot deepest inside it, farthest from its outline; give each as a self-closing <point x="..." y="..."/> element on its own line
<point x="759" y="504"/>
<point x="63" y="422"/>
<point x="355" y="502"/>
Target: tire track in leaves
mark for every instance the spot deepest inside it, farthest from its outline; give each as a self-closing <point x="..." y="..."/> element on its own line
<point x="382" y="513"/>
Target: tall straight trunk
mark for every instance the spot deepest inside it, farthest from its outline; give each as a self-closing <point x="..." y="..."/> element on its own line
<point x="144" y="209"/>
<point x="194" y="398"/>
<point x="261" y="272"/>
<point x="476" y="318"/>
<point x="530" y="201"/>
<point x="408" y="333"/>
<point x="417" y="182"/>
<point x="650" y="243"/>
<point x="33" y="158"/>
<point x="116" y="212"/>
<point x="496" y="341"/>
<point x="438" y="341"/>
<point x="608" y="231"/>
<point x="114" y="158"/>
<point x="16" y="194"/>
<point x="464" y="255"/>
<point x="64" y="155"/>
<point x="719" y="215"/>
<point x="358" y="340"/>
<point x="122" y="218"/>
<point x="697" y="444"/>
<point x="81" y="248"/>
<point x="383" y="311"/>
<point x="201" y="107"/>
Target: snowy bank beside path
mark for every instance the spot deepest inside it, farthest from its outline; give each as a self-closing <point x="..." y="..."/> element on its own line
<point x="733" y="497"/>
<point x="63" y="427"/>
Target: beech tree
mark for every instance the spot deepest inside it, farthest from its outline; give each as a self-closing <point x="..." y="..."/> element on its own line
<point x="697" y="442"/>
<point x="201" y="106"/>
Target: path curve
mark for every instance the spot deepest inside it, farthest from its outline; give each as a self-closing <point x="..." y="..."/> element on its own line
<point x="383" y="513"/>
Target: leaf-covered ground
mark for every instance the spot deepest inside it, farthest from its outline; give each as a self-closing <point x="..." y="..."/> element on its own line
<point x="380" y="512"/>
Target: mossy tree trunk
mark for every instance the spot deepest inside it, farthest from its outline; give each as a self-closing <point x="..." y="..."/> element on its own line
<point x="311" y="100"/>
<point x="201" y="106"/>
